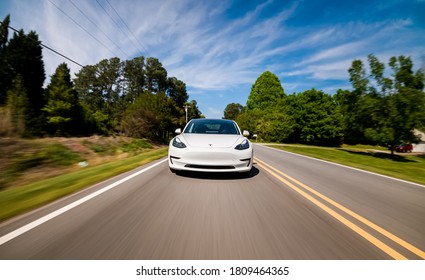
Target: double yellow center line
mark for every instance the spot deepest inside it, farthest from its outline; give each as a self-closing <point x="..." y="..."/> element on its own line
<point x="306" y="192"/>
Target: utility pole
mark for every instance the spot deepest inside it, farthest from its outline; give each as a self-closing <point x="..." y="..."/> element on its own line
<point x="185" y="109"/>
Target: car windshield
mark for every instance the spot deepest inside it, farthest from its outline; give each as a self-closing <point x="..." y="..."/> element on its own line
<point x="206" y="126"/>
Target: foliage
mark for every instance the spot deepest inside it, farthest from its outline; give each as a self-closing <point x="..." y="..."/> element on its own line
<point x="317" y="118"/>
<point x="135" y="78"/>
<point x="22" y="55"/>
<point x="176" y="90"/>
<point x="156" y="76"/>
<point x="136" y="145"/>
<point x="248" y="120"/>
<point x="16" y="108"/>
<point x="4" y="73"/>
<point x="232" y="110"/>
<point x="52" y="155"/>
<point x="275" y="126"/>
<point x="310" y="117"/>
<point x="147" y="117"/>
<point x="379" y="110"/>
<point x="193" y="110"/>
<point x="131" y="97"/>
<point x="264" y="92"/>
<point x="383" y="111"/>
<point x="63" y="111"/>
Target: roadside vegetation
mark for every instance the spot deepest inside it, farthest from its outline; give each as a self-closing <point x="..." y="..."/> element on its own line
<point x="380" y="110"/>
<point x="359" y="127"/>
<point x="28" y="160"/>
<point x="35" y="172"/>
<point x="409" y="167"/>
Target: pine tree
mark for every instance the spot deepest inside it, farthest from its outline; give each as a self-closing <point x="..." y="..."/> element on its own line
<point x="63" y="111"/>
<point x="23" y="55"/>
<point x="4" y="74"/>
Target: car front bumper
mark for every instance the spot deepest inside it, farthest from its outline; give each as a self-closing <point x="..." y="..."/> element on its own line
<point x="210" y="160"/>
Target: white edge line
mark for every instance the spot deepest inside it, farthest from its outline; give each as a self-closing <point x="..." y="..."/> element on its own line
<point x="346" y="166"/>
<point x="42" y="220"/>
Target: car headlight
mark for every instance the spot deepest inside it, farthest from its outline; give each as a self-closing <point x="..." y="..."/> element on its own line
<point x="243" y="146"/>
<point x="178" y="143"/>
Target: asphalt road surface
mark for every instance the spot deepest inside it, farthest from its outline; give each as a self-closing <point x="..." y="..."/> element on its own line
<point x="290" y="207"/>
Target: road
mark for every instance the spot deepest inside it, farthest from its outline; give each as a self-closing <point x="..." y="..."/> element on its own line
<point x="290" y="207"/>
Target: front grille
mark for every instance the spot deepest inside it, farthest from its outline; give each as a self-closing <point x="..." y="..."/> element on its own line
<point x="209" y="166"/>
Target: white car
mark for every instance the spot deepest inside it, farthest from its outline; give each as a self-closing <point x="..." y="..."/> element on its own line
<point x="210" y="145"/>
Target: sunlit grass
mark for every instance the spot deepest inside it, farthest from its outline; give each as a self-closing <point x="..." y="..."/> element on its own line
<point x="17" y="200"/>
<point x="406" y="167"/>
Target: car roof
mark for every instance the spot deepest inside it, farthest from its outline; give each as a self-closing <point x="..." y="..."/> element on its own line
<point x="218" y="120"/>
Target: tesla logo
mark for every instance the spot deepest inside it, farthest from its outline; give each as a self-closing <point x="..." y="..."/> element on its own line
<point x="210" y="144"/>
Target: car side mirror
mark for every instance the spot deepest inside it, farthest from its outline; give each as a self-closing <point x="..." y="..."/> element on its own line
<point x="245" y="133"/>
<point x="178" y="131"/>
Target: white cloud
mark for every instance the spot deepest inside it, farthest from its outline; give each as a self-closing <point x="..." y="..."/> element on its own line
<point x="334" y="52"/>
<point x="334" y="70"/>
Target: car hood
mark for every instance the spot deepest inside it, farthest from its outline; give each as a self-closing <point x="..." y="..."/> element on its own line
<point x="212" y="140"/>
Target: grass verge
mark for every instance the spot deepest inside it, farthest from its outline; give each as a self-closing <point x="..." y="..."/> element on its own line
<point x="405" y="167"/>
<point x="14" y="201"/>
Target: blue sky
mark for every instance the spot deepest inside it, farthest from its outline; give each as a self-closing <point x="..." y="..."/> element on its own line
<point x="219" y="48"/>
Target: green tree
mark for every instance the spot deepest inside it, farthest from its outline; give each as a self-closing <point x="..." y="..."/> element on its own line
<point x="232" y="110"/>
<point x="399" y="108"/>
<point x="89" y="91"/>
<point x="23" y="55"/>
<point x="358" y="77"/>
<point x="17" y="106"/>
<point x="384" y="111"/>
<point x="88" y="88"/>
<point x="317" y="118"/>
<point x="249" y="120"/>
<point x="275" y="124"/>
<point x="176" y="90"/>
<point x="193" y="111"/>
<point x="63" y="111"/>
<point x="355" y="115"/>
<point x="135" y="78"/>
<point x="261" y="115"/>
<point x="148" y="117"/>
<point x="156" y="75"/>
<point x="4" y="73"/>
<point x="4" y="32"/>
<point x="109" y="79"/>
<point x="111" y="91"/>
<point x="99" y="88"/>
<point x="265" y="91"/>
<point x="356" y="105"/>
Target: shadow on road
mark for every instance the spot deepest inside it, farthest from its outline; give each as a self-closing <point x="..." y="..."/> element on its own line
<point x="219" y="175"/>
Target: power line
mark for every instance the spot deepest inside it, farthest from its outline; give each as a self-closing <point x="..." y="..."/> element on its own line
<point x="106" y="35"/>
<point x="125" y="24"/>
<point x="81" y="26"/>
<point x="49" y="48"/>
<point x="118" y="25"/>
